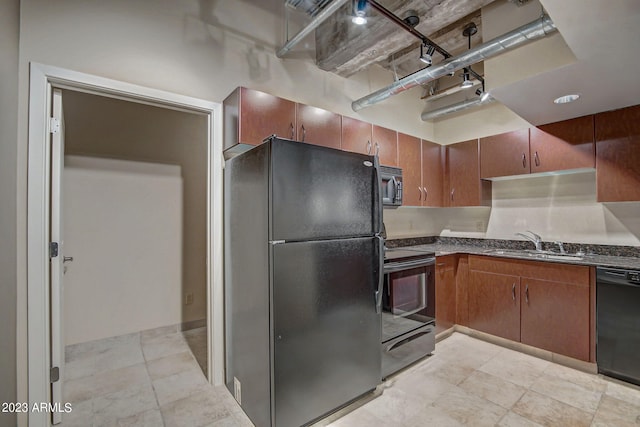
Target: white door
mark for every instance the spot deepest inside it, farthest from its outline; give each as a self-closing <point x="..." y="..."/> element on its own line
<point x="57" y="259"/>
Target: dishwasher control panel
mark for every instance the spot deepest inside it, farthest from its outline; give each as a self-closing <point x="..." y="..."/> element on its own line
<point x="633" y="276"/>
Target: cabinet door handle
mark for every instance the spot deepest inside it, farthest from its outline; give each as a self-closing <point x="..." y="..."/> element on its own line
<point x="369" y="147"/>
<point x="440" y="264"/>
<point x="513" y="291"/>
<point x="304" y="132"/>
<point x="292" y="130"/>
<point x="420" y="190"/>
<point x="425" y="193"/>
<point x="377" y="149"/>
<point x="524" y="160"/>
<point x="526" y="294"/>
<point x="452" y="193"/>
<point x="536" y="159"/>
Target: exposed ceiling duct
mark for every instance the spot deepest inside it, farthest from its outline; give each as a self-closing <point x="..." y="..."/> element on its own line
<point x="532" y="31"/>
<point x="318" y="19"/>
<point x="454" y="108"/>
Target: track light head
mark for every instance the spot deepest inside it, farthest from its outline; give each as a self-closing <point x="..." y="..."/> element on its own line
<point x="482" y="94"/>
<point x="426" y="53"/>
<point x="359" y="15"/>
<point x="466" y="83"/>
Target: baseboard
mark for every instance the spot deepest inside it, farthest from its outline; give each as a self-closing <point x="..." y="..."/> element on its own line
<point x="550" y="356"/>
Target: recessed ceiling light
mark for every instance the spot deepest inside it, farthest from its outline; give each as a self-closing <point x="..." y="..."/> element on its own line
<point x="566" y="99"/>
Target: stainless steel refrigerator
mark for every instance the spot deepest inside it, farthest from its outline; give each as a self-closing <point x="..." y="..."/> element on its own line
<point x="303" y="264"/>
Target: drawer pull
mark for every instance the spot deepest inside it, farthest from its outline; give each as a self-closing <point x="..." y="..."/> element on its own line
<point x="513" y="291"/>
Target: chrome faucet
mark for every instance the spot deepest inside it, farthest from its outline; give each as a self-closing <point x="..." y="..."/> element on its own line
<point x="534" y="238"/>
<point x="561" y="246"/>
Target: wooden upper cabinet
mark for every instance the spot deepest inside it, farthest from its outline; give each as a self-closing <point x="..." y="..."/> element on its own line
<point x="410" y="160"/>
<point x="318" y="126"/>
<point x="432" y="174"/>
<point x="356" y="136"/>
<point x="563" y="145"/>
<point x="463" y="172"/>
<point x="505" y="154"/>
<point x="385" y="144"/>
<point x="250" y="116"/>
<point x="618" y="155"/>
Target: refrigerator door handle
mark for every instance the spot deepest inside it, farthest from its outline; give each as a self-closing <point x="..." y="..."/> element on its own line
<point x="380" y="274"/>
<point x="377" y="211"/>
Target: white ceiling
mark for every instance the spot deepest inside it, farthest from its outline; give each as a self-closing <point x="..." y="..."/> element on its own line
<point x="604" y="35"/>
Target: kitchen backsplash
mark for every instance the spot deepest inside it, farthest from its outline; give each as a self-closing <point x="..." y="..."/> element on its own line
<point x="559" y="207"/>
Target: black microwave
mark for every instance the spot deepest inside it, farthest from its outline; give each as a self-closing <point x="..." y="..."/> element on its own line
<point x="391" y="186"/>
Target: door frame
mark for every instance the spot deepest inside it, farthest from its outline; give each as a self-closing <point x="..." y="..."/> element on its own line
<point x="42" y="79"/>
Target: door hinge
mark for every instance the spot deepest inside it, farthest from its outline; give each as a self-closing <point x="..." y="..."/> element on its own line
<point x="54" y="374"/>
<point x="53" y="249"/>
<point x="54" y="125"/>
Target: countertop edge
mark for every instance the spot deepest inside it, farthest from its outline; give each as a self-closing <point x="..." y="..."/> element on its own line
<point x="588" y="260"/>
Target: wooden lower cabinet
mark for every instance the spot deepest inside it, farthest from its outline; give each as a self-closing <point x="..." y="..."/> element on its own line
<point x="445" y="292"/>
<point x="462" y="290"/>
<point x="494" y="304"/>
<point x="541" y="304"/>
<point x="555" y="317"/>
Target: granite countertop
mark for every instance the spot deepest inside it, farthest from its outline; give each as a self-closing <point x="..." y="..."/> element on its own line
<point x="597" y="256"/>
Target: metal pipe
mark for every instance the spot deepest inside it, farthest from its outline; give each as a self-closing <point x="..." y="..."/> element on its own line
<point x="317" y="20"/>
<point x="454" y="108"/>
<point x="532" y="31"/>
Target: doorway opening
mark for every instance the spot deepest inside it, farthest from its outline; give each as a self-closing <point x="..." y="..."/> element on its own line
<point x="144" y="170"/>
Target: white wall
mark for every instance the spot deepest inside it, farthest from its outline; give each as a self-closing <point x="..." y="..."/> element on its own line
<point x="123" y="227"/>
<point x="560" y="207"/>
<point x="9" y="31"/>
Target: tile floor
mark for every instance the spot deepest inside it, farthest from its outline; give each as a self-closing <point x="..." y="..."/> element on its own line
<point x="153" y="379"/>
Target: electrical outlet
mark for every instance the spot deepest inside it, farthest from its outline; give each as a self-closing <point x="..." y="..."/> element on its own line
<point x="237" y="390"/>
<point x="188" y="298"/>
<point x="479" y="225"/>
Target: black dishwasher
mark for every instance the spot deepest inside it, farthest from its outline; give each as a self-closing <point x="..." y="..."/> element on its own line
<point x="618" y="323"/>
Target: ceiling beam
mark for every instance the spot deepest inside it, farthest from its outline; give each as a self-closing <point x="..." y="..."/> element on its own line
<point x="345" y="49"/>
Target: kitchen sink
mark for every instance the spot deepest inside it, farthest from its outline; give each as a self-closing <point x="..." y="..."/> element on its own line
<point x="565" y="257"/>
<point x="513" y="252"/>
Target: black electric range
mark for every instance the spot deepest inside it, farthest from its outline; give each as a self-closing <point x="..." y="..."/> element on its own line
<point x="408" y="308"/>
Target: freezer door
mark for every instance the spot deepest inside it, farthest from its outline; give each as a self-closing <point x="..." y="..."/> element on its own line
<point x="326" y="329"/>
<point x="322" y="193"/>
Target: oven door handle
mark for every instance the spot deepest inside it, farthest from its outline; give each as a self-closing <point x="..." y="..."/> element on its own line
<point x="378" y="294"/>
<point x="399" y="342"/>
<point x="400" y="266"/>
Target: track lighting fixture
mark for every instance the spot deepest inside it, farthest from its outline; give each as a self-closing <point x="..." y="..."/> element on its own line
<point x="482" y="94"/>
<point x="466" y="83"/>
<point x="426" y="53"/>
<point x="359" y="17"/>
